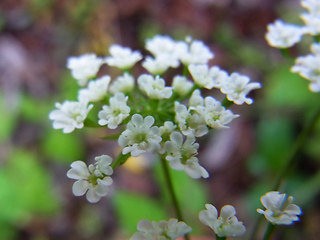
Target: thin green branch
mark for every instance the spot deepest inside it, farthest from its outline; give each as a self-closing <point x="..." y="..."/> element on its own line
<point x="171" y="191"/>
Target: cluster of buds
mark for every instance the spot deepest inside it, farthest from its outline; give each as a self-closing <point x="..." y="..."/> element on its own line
<point x="284" y="35"/>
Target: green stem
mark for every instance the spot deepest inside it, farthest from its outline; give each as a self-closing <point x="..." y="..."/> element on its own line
<point x="226" y="103"/>
<point x="290" y="160"/>
<point x="171" y="191"/>
<point x="120" y="159"/>
<point x="269" y="231"/>
<point x="220" y="238"/>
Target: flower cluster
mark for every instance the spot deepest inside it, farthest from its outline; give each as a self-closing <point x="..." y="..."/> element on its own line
<point x="163" y="230"/>
<point x="284" y="35"/>
<point x="279" y="208"/>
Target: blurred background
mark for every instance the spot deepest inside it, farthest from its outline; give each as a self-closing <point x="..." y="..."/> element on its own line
<point x="37" y="37"/>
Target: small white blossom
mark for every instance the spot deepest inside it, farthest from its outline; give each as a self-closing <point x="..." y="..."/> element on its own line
<point x="284" y="35"/>
<point x="196" y="99"/>
<point x="309" y="68"/>
<point x="154" y="88"/>
<point x="69" y="115"/>
<point x="279" y="208"/>
<point x="124" y="83"/>
<point x="216" y="116"/>
<point x="160" y="63"/>
<point x="237" y="87"/>
<point x="181" y="155"/>
<point x="84" y="67"/>
<point x="312" y="23"/>
<point x="140" y="136"/>
<point x="122" y="57"/>
<point x="190" y="121"/>
<point x="181" y="85"/>
<point x="116" y="112"/>
<point x="195" y="52"/>
<point x="226" y="225"/>
<point x="159" y="45"/>
<point x="165" y="132"/>
<point x="313" y="6"/>
<point x="163" y="230"/>
<point x="207" y="78"/>
<point x="94" y="180"/>
<point x="95" y="91"/>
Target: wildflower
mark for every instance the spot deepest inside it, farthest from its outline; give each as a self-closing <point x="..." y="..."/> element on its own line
<point x="84" y="67"/>
<point x="312" y="23"/>
<point x="122" y="57"/>
<point x="279" y="208"/>
<point x="237" y="87"/>
<point x="165" y="131"/>
<point x="216" y="116"/>
<point x="140" y="136"/>
<point x="163" y="230"/>
<point x="124" y="83"/>
<point x="284" y="35"/>
<point x="116" y="112"/>
<point x="181" y="85"/>
<point x="313" y="6"/>
<point x="190" y="121"/>
<point x="154" y="88"/>
<point x="194" y="52"/>
<point x="160" y="64"/>
<point x="69" y="115"/>
<point x="95" y="91"/>
<point x="226" y="225"/>
<point x="159" y="45"/>
<point x="207" y="78"/>
<point x="94" y="180"/>
<point x="181" y="155"/>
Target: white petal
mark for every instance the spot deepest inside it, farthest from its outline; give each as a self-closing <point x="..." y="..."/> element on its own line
<point x="80" y="187"/>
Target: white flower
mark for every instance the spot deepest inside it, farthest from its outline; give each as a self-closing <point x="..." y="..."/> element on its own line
<point x="154" y="88"/>
<point x="95" y="91"/>
<point x="312" y="23"/>
<point x="181" y="155"/>
<point x="163" y="230"/>
<point x="181" y="85"/>
<point x="94" y="180"/>
<point x="279" y="208"/>
<point x="116" y="112"/>
<point x="313" y="6"/>
<point x="309" y="68"/>
<point x="122" y="57"/>
<point x="124" y="83"/>
<point x="226" y="225"/>
<point x="207" y="78"/>
<point x="84" y="67"/>
<point x="216" y="116"/>
<point x="196" y="99"/>
<point x="140" y="136"/>
<point x="160" y="63"/>
<point x="69" y="115"/>
<point x="237" y="87"/>
<point x="284" y="35"/>
<point x="159" y="45"/>
<point x="165" y="132"/>
<point x="195" y="52"/>
<point x="190" y="121"/>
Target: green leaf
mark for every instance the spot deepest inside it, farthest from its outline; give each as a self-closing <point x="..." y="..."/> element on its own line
<point x="131" y="208"/>
<point x="7" y="121"/>
<point x="25" y="189"/>
<point x="62" y="147"/>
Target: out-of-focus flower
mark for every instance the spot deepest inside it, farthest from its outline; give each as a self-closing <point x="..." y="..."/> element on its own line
<point x="226" y="225"/>
<point x="122" y="57"/>
<point x="194" y="52"/>
<point x="123" y="83"/>
<point x="284" y="35"/>
<point x="94" y="181"/>
<point x="181" y="85"/>
<point x="96" y="90"/>
<point x="279" y="208"/>
<point x="84" y="67"/>
<point x="69" y="115"/>
<point x="163" y="230"/>
<point x="160" y="63"/>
